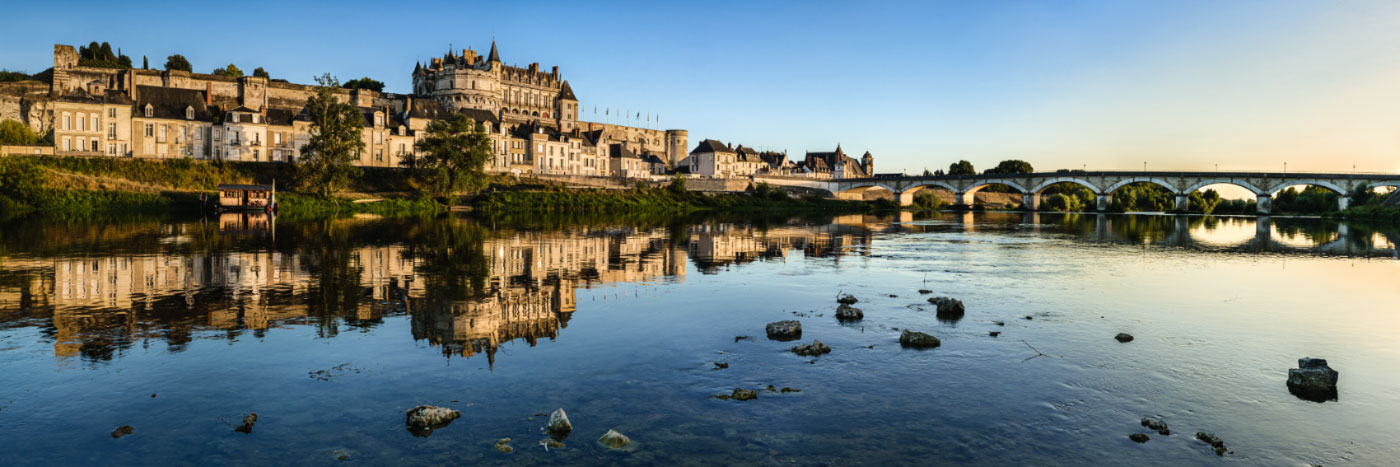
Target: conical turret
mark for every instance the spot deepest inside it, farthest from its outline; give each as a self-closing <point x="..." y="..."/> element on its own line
<point x="495" y="57"/>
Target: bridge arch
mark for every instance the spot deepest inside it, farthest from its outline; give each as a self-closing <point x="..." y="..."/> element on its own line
<point x="994" y="181"/>
<point x="1286" y="183"/>
<point x="1047" y="183"/>
<point x="1224" y="181"/>
<point x="1129" y="181"/>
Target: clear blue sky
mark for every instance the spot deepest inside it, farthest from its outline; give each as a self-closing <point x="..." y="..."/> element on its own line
<point x="1107" y="85"/>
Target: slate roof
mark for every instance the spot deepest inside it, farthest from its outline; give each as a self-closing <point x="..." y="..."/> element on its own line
<point x="171" y="102"/>
<point x="566" y="92"/>
<point x="495" y="57"/>
<point x="428" y="108"/>
<point x="710" y="145"/>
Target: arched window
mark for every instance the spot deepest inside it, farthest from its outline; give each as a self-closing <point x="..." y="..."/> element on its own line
<point x="189" y="113"/>
<point x="150" y="111"/>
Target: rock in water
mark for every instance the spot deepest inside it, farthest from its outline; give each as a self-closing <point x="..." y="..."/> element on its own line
<point x="925" y="291"/>
<point x="1313" y="380"/>
<point x="814" y="349"/>
<point x="789" y="330"/>
<point x="948" y="307"/>
<point x="918" y="340"/>
<point x="1213" y="441"/>
<point x="1139" y="437"/>
<point x="993" y="333"/>
<point x="559" y="425"/>
<point x="1156" y="424"/>
<point x="503" y="446"/>
<point x="847" y="299"/>
<point x="248" y="421"/>
<point x="123" y="431"/>
<point x="423" y="419"/>
<point x="849" y="313"/>
<point x="614" y="440"/>
<point x="741" y="394"/>
<point x="1124" y="337"/>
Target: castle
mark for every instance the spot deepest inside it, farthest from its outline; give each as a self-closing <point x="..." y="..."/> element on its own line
<point x="532" y="116"/>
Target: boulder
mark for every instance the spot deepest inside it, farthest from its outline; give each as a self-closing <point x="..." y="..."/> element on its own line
<point x="816" y="348"/>
<point x="948" y="308"/>
<point x="248" y="421"/>
<point x="846" y="299"/>
<point x="559" y="424"/>
<point x="1156" y="424"/>
<point x="993" y="333"/>
<point x="789" y="330"/>
<point x="1139" y="437"/>
<point x="123" y="431"/>
<point x="1214" y="441"/>
<point x="925" y="291"/>
<point x="614" y="440"/>
<point x="1313" y="380"/>
<point x="849" y="313"/>
<point x="1124" y="337"/>
<point x="918" y="340"/>
<point x="503" y="446"/>
<point x="740" y="394"/>
<point x="423" y="419"/>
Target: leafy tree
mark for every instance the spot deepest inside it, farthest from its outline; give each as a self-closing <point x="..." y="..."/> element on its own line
<point x="961" y="168"/>
<point x="335" y="140"/>
<point x="1013" y="166"/>
<point x="16" y="132"/>
<point x="231" y="71"/>
<point x="1062" y="203"/>
<point x="454" y="154"/>
<point x="177" y="62"/>
<point x="101" y="56"/>
<point x="364" y="83"/>
<point x="677" y="186"/>
<point x="145" y="64"/>
<point x="7" y="76"/>
<point x="261" y="73"/>
<point x="927" y="199"/>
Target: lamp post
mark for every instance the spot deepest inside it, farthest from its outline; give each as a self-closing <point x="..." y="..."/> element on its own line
<point x="1144" y="166"/>
<point x="1285" y="168"/>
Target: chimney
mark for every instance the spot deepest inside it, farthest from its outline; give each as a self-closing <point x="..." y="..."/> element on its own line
<point x="408" y="105"/>
<point x="208" y="93"/>
<point x="556" y="71"/>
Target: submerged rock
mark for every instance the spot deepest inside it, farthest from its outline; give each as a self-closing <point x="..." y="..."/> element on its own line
<point x="743" y="338"/>
<point x="739" y="394"/>
<point x="1213" y="441"/>
<point x="994" y="333"/>
<point x="849" y="313"/>
<point x="1139" y="437"/>
<point x="1313" y="380"/>
<point x="846" y="299"/>
<point x="123" y="431"/>
<point x="925" y="291"/>
<point x="721" y="365"/>
<point x="789" y="330"/>
<point x="614" y="440"/>
<point x="248" y="421"/>
<point x="999" y="323"/>
<point x="918" y="340"/>
<point x="1156" y="424"/>
<point x="551" y="443"/>
<point x="1029" y="317"/>
<point x="423" y="419"/>
<point x="1124" y="337"/>
<point x="948" y="307"/>
<point x="816" y="348"/>
<point x="559" y="424"/>
<point x="503" y="446"/>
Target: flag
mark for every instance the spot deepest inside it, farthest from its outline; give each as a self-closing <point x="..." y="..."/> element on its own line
<point x="606" y="110"/>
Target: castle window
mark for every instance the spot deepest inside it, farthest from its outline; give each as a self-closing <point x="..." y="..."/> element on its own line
<point x="150" y="111"/>
<point x="111" y="113"/>
<point x="233" y="117"/>
<point x="82" y="122"/>
<point x="189" y="113"/>
<point x="150" y="130"/>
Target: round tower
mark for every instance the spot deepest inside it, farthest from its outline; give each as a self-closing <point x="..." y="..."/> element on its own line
<point x="677" y="142"/>
<point x="868" y="163"/>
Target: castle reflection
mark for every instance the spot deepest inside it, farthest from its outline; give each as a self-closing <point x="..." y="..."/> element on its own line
<point x="467" y="291"/>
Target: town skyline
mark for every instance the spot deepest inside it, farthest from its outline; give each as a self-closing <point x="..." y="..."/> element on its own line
<point x="1318" y="101"/>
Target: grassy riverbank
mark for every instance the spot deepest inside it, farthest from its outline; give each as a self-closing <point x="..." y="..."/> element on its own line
<point x="657" y="200"/>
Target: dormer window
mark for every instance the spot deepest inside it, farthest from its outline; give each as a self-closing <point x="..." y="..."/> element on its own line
<point x="233" y="117"/>
<point x="150" y="111"/>
<point x="378" y="120"/>
<point x="189" y="113"/>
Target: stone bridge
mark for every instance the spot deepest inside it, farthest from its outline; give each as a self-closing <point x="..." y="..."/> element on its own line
<point x="1031" y="185"/>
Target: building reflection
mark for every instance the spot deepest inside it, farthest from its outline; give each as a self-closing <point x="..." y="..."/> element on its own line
<point x="466" y="292"/>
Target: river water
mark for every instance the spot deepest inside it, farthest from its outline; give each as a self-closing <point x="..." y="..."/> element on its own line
<point x="331" y="329"/>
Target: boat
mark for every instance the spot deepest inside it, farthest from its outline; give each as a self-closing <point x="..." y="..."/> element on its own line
<point x="239" y="197"/>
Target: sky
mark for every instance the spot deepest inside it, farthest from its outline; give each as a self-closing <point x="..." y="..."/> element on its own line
<point x="1102" y="85"/>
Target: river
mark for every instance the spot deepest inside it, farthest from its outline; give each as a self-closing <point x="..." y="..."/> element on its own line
<point x="330" y="330"/>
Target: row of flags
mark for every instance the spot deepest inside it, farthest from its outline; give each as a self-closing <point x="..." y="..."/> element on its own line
<point x="607" y="111"/>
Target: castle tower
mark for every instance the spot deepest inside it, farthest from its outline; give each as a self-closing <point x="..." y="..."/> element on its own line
<point x="867" y="162"/>
<point x="676" y="144"/>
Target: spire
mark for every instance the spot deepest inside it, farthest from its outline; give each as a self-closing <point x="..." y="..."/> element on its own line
<point x="495" y="57"/>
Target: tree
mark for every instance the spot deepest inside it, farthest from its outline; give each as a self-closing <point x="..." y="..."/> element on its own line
<point x="231" y="71"/>
<point x="15" y="132"/>
<point x="100" y="55"/>
<point x="1013" y="166"/>
<point x="961" y="168"/>
<point x="454" y="155"/>
<point x="7" y="76"/>
<point x="177" y="62"/>
<point x="335" y="139"/>
<point x="364" y="83"/>
<point x="261" y="73"/>
<point x="145" y="64"/>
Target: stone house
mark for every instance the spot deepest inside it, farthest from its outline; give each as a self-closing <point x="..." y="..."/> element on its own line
<point x="170" y="123"/>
